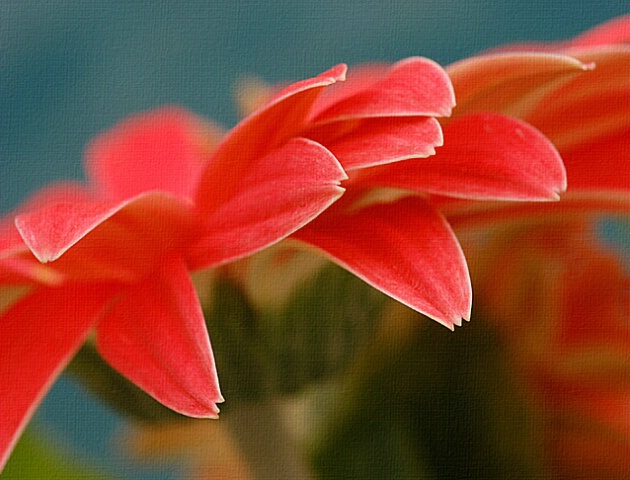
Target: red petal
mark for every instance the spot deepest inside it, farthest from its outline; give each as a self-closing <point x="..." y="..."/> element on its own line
<point x="405" y="249"/>
<point x="156" y="336"/>
<point x="412" y="87"/>
<point x="147" y="222"/>
<point x="600" y="164"/>
<point x="53" y="230"/>
<point x="485" y="156"/>
<point x="588" y="106"/>
<point x="38" y="336"/>
<point x="615" y="31"/>
<point x="506" y="82"/>
<point x="160" y="150"/>
<point x="280" y="193"/>
<point x="376" y="141"/>
<point x="258" y="135"/>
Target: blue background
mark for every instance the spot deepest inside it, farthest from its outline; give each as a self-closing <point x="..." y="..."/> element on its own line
<point x="69" y="69"/>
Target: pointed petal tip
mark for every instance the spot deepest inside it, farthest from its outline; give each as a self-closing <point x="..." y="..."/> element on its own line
<point x="44" y="255"/>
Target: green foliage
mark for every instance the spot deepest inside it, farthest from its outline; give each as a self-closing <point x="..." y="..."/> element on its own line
<point x="282" y="351"/>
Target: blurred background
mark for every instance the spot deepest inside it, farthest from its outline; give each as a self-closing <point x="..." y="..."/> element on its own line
<point x="71" y="68"/>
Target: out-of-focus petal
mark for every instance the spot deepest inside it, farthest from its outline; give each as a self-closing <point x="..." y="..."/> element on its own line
<point x="38" y="336"/>
<point x="588" y="106"/>
<point x="612" y="170"/>
<point x="376" y="141"/>
<point x="412" y="87"/>
<point x="509" y="82"/>
<point x="405" y="249"/>
<point x="485" y="156"/>
<point x="155" y="335"/>
<point x="265" y="130"/>
<point x="280" y="193"/>
<point x="615" y="31"/>
<point x="158" y="150"/>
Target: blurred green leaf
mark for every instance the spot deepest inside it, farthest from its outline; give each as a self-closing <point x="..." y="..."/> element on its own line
<point x="35" y="458"/>
<point x="426" y="402"/>
<point x="281" y="351"/>
<point x="238" y="344"/>
<point x="318" y="332"/>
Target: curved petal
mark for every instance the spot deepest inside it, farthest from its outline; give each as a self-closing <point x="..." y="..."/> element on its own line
<point x="485" y="156"/>
<point x="257" y="135"/>
<point x="164" y="149"/>
<point x="415" y="86"/>
<point x="376" y="141"/>
<point x="38" y="336"/>
<point x="405" y="249"/>
<point x="280" y="193"/>
<point x="588" y="106"/>
<point x="509" y="82"/>
<point x="156" y="336"/>
<point x="18" y="266"/>
<point x="52" y="231"/>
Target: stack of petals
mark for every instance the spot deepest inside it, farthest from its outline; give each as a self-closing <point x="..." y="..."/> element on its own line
<point x="556" y="292"/>
<point x="109" y="260"/>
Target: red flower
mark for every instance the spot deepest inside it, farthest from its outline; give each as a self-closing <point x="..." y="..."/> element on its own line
<point x="560" y="299"/>
<point x="578" y="94"/>
<point x="380" y="124"/>
<point x="116" y="253"/>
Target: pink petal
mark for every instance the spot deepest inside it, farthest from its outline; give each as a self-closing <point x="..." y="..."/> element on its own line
<point x="412" y="87"/>
<point x="485" y="156"/>
<point x="405" y="249"/>
<point x="38" y="336"/>
<point x="149" y="220"/>
<point x="51" y="231"/>
<point x="156" y="336"/>
<point x="615" y="31"/>
<point x="258" y="135"/>
<point x="507" y="82"/>
<point x="17" y="264"/>
<point x="279" y="194"/>
<point x="159" y="150"/>
<point x="376" y="141"/>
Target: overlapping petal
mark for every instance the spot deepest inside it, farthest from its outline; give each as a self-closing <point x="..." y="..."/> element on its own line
<point x="40" y="334"/>
<point x="376" y="141"/>
<point x="412" y="87"/>
<point x="268" y="128"/>
<point x="510" y="81"/>
<point x="512" y="161"/>
<point x="161" y="202"/>
<point x="288" y="187"/>
<point x="405" y="249"/>
<point x="384" y="131"/>
<point x="168" y="353"/>
<point x="582" y="106"/>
